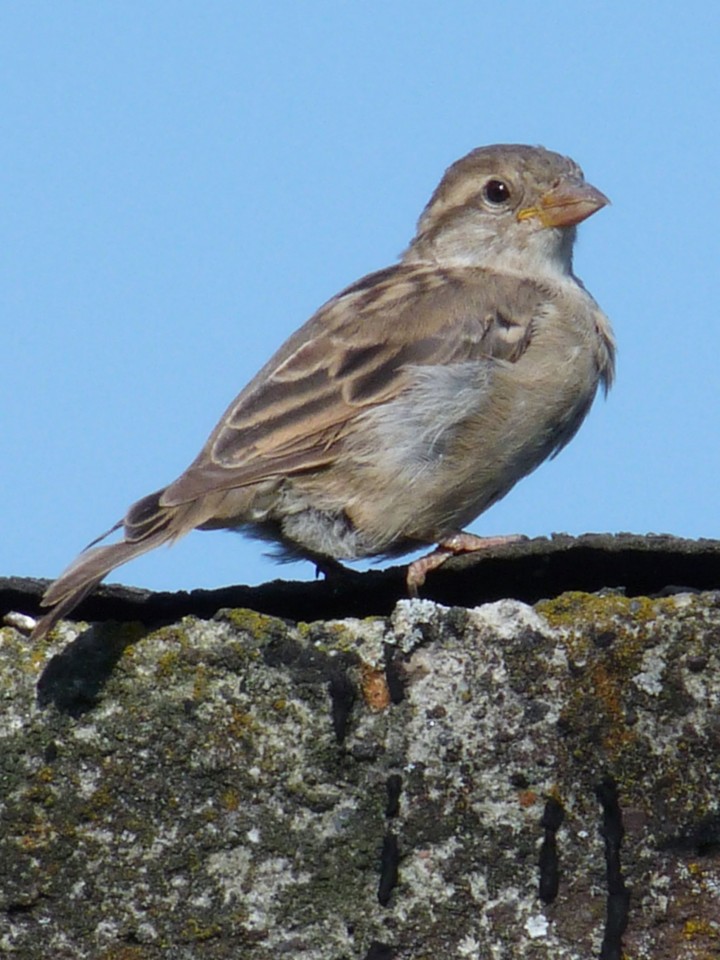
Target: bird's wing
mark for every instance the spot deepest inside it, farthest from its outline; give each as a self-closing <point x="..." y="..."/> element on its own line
<point x="358" y="351"/>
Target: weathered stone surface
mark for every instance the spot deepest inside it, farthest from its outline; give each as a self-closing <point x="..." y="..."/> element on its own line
<point x="428" y="785"/>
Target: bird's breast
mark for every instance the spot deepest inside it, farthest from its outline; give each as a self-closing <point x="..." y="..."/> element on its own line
<point x="461" y="435"/>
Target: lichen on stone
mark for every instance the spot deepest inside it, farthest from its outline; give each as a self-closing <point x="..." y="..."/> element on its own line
<point x="221" y="787"/>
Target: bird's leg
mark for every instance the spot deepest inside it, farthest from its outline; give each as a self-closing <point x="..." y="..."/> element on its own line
<point x="329" y="568"/>
<point x="450" y="547"/>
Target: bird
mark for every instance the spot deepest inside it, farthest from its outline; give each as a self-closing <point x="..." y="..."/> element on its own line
<point x="412" y="400"/>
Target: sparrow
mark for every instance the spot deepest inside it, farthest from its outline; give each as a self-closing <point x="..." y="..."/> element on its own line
<point x="412" y="400"/>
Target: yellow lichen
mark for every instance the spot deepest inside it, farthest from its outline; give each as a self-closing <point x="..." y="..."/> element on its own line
<point x="201" y="683"/>
<point x="258" y="625"/>
<point x="577" y="609"/>
<point x="197" y="931"/>
<point x="241" y="723"/>
<point x="699" y="927"/>
<point x="229" y="800"/>
<point x="167" y="664"/>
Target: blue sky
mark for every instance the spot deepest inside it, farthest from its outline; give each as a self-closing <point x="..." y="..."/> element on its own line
<point x="183" y="184"/>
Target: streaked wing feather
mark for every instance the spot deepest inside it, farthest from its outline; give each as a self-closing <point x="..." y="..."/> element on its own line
<point x="356" y="352"/>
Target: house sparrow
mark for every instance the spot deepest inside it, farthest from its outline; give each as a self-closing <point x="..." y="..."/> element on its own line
<point x="411" y="401"/>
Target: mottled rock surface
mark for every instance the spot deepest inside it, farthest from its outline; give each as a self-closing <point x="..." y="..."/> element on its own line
<point x="495" y="781"/>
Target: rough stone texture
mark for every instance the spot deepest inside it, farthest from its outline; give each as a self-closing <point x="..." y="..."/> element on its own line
<point x="500" y="781"/>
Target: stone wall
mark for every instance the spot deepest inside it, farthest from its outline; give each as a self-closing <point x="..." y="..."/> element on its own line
<point x="495" y="781"/>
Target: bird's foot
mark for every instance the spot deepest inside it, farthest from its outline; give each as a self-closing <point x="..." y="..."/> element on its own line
<point x="450" y="547"/>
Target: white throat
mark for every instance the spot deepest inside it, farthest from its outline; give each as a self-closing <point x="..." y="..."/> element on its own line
<point x="529" y="251"/>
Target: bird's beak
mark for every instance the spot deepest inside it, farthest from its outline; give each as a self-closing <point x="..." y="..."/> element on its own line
<point x="568" y="203"/>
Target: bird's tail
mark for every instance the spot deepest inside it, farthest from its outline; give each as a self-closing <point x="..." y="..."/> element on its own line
<point x="148" y="525"/>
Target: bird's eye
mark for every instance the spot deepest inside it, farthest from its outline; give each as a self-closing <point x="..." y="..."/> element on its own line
<point x="496" y="191"/>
